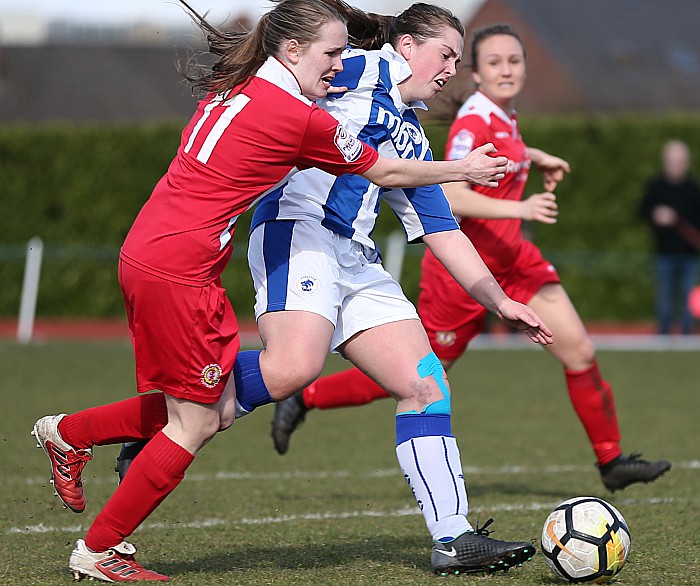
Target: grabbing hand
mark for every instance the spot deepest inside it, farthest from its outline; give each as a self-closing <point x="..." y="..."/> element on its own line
<point x="483" y="169"/>
<point x="337" y="90"/>
<point x="524" y="319"/>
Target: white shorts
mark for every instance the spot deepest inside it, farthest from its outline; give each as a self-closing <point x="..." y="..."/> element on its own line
<point x="300" y="265"/>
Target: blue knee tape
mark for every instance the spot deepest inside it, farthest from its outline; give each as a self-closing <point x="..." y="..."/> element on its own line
<point x="431" y="366"/>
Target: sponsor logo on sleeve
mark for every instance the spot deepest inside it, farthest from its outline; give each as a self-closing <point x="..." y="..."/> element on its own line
<point x="349" y="146"/>
<point x="461" y="145"/>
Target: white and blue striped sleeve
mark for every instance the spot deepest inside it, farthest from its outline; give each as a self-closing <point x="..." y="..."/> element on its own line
<point x="421" y="210"/>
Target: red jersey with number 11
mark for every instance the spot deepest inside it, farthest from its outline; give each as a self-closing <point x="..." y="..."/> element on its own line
<point x="237" y="148"/>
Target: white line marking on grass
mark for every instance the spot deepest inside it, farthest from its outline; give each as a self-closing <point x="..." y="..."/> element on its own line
<point x="381" y="473"/>
<point x="400" y="512"/>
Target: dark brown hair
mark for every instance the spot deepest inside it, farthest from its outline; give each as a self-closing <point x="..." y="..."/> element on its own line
<point x="490" y="31"/>
<point x="241" y="53"/>
<point x="367" y="30"/>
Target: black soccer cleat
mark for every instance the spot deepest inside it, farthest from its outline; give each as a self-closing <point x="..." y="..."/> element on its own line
<point x="626" y="470"/>
<point x="126" y="456"/>
<point x="289" y="414"/>
<point x="475" y="551"/>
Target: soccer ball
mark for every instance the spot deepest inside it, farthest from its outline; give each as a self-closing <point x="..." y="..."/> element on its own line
<point x="585" y="539"/>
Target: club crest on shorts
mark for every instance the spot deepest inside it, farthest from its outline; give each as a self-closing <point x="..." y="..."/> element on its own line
<point x="445" y="338"/>
<point x="211" y="375"/>
<point x="307" y="285"/>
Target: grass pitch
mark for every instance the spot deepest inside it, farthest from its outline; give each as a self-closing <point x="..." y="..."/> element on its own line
<point x="335" y="510"/>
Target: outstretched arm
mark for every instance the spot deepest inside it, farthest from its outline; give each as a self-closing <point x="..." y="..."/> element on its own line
<point x="478" y="167"/>
<point x="465" y="202"/>
<point x="458" y="255"/>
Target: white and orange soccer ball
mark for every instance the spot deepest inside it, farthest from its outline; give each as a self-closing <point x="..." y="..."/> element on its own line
<point x="585" y="539"/>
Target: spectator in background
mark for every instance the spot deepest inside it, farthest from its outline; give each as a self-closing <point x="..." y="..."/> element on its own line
<point x="671" y="205"/>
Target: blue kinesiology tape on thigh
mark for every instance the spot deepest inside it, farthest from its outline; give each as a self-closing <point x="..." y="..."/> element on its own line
<point x="431" y="366"/>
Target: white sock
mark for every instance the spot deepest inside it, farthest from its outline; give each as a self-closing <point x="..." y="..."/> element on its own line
<point x="433" y="469"/>
<point x="240" y="410"/>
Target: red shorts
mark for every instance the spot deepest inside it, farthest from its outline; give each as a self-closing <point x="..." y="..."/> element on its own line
<point x="185" y="338"/>
<point x="452" y="318"/>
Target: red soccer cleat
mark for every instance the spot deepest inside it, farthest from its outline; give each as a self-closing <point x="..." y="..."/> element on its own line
<point x="117" y="564"/>
<point x="67" y="463"/>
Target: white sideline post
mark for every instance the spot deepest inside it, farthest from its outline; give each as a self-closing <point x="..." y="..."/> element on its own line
<point x="395" y="250"/>
<point x="30" y="288"/>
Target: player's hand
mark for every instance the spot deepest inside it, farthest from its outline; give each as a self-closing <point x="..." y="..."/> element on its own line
<point x="540" y="207"/>
<point x="524" y="319"/>
<point x="337" y="90"/>
<point x="552" y="169"/>
<point x="483" y="169"/>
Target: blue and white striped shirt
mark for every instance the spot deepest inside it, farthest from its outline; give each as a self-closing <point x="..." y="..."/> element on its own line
<point x="373" y="111"/>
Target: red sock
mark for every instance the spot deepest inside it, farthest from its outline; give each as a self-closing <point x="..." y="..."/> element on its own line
<point x="343" y="389"/>
<point x="593" y="401"/>
<point x="137" y="418"/>
<point x="152" y="476"/>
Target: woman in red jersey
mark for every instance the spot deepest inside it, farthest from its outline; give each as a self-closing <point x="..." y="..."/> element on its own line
<point x="492" y="219"/>
<point x="255" y="128"/>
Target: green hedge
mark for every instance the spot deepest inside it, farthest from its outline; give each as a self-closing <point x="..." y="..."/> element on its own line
<point x="79" y="188"/>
